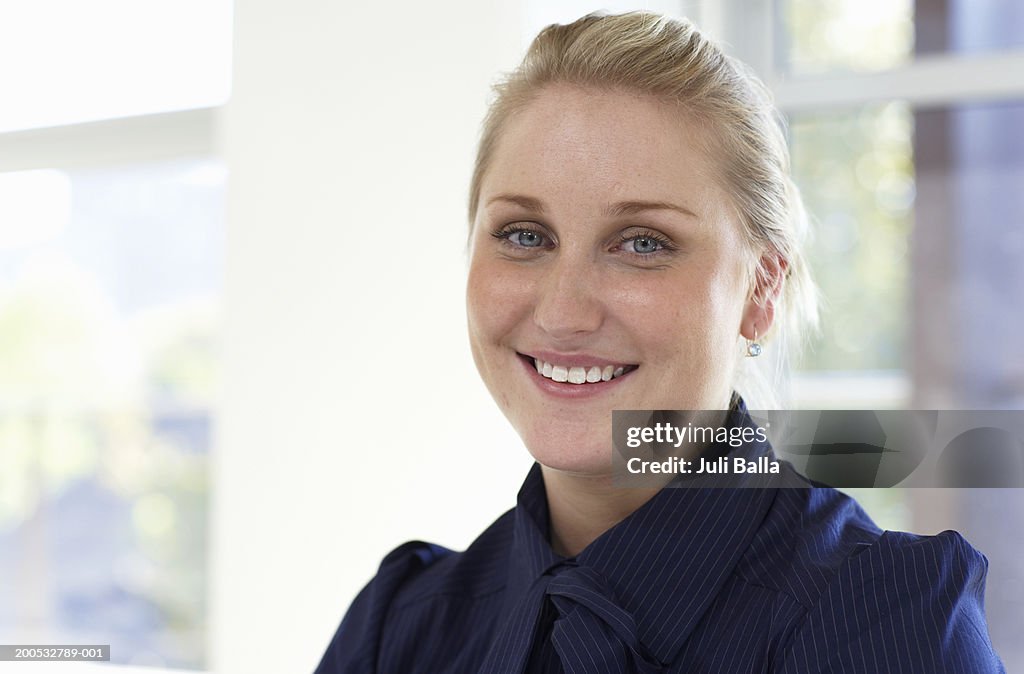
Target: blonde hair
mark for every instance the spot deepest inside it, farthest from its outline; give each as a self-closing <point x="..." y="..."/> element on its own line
<point x="671" y="60"/>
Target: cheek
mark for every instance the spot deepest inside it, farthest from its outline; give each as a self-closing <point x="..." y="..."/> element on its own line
<point x="497" y="304"/>
<point x="724" y="298"/>
<point x="684" y="316"/>
<point x="496" y="301"/>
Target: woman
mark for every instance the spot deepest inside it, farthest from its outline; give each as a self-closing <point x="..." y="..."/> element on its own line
<point x="634" y="234"/>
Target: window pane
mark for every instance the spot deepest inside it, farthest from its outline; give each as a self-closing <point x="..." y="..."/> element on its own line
<point x="109" y="303"/>
<point x="855" y="171"/>
<point x="864" y="35"/>
<point x="67" y="61"/>
<point x="949" y="177"/>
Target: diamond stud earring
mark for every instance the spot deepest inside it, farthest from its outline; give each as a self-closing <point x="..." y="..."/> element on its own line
<point x="753" y="348"/>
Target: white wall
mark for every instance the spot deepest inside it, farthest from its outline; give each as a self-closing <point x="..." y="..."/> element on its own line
<point x="353" y="419"/>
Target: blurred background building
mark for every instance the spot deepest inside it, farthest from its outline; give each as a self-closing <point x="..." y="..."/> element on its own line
<point x="233" y="364"/>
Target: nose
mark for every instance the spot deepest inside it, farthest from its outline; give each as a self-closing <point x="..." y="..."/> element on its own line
<point x="569" y="301"/>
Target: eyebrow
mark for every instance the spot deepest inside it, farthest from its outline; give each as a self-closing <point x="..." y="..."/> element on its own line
<point x="634" y="207"/>
<point x="529" y="203"/>
<point x="616" y="210"/>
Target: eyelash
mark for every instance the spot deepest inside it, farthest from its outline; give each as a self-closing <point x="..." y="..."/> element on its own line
<point x="665" y="245"/>
<point x="505" y="232"/>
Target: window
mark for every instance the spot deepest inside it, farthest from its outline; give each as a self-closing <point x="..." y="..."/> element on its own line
<point x="820" y="36"/>
<point x="111" y="257"/>
<point x="109" y="301"/>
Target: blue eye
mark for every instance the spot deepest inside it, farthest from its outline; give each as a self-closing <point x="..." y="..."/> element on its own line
<point x="521" y="237"/>
<point x="526" y="238"/>
<point x="644" y="245"/>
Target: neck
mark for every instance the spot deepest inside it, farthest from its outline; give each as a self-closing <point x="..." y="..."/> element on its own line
<point x="582" y="507"/>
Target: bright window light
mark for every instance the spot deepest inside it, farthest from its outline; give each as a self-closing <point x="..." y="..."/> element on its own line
<point x="67" y="61"/>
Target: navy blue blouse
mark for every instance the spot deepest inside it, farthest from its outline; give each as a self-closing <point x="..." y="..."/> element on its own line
<point x="695" y="580"/>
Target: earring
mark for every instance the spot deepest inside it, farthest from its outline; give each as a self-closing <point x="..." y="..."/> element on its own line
<point x="753" y="348"/>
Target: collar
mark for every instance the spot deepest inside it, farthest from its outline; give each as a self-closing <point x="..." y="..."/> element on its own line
<point x="666" y="562"/>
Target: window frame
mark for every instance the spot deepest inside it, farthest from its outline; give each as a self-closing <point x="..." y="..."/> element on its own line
<point x="154" y="137"/>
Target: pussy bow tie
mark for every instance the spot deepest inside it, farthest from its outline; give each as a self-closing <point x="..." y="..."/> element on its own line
<point x="592" y="633"/>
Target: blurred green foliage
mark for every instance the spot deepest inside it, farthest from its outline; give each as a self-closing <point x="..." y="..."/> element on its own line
<point x="84" y="396"/>
<point x="855" y="171"/>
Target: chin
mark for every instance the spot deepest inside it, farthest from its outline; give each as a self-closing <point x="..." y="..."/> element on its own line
<point x="582" y="458"/>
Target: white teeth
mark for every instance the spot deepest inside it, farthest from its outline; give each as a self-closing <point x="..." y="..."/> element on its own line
<point x="578" y="374"/>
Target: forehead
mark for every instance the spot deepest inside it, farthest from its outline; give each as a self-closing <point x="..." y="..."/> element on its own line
<point x="598" y="145"/>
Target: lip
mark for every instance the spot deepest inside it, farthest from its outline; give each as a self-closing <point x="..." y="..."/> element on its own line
<point x="566" y="390"/>
<point x="573" y="360"/>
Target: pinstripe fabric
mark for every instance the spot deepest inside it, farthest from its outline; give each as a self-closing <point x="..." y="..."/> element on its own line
<point x="696" y="580"/>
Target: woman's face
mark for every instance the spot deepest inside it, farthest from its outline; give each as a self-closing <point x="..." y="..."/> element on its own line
<point x="603" y="245"/>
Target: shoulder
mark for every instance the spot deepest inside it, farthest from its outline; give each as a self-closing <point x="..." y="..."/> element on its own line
<point x="355" y="643"/>
<point x="408" y="575"/>
<point x="478" y="571"/>
<point x="882" y="601"/>
<point x="806" y="537"/>
<point x="933" y="586"/>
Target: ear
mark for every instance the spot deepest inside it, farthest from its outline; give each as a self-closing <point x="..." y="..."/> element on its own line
<point x="759" y="312"/>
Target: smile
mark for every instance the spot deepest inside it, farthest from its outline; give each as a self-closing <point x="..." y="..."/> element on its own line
<point x="578" y="374"/>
